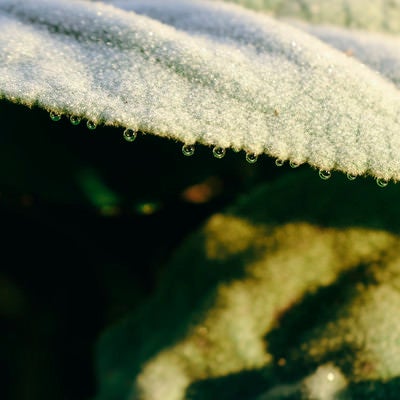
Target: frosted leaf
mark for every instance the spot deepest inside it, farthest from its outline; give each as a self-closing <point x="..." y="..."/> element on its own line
<point x="381" y="15"/>
<point x="379" y="51"/>
<point x="202" y="72"/>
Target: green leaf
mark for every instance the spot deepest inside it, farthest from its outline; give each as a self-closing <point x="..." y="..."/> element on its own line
<point x="291" y="293"/>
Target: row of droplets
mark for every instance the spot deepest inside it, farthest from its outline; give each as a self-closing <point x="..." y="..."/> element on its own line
<point x="74" y="119"/>
<point x="219" y="152"/>
<point x="129" y="134"/>
<point x="188" y="150"/>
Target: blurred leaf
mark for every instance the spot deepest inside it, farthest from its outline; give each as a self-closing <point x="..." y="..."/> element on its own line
<point x="296" y="284"/>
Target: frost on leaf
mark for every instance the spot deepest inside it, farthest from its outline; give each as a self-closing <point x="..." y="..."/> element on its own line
<point x="203" y="72"/>
<point x="374" y="15"/>
<point x="379" y="51"/>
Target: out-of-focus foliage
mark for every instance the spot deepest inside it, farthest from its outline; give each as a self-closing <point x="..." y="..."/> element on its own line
<point x="291" y="293"/>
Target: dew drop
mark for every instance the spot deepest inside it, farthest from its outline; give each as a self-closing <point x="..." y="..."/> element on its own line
<point x="75" y="120"/>
<point x="294" y="164"/>
<point x="91" y="125"/>
<point x="236" y="149"/>
<point x="382" y="182"/>
<point x="279" y="162"/>
<point x="351" y="177"/>
<point x="188" y="150"/>
<point x="324" y="174"/>
<point x="55" y="116"/>
<point x="219" y="152"/>
<point x="251" y="158"/>
<point x="130" y="135"/>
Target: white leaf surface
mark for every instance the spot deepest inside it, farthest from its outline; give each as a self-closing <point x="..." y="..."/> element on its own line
<point x="379" y="51"/>
<point x="203" y="72"/>
<point x="374" y="15"/>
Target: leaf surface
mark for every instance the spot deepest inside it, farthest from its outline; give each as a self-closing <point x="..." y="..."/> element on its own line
<point x="376" y="15"/>
<point x="207" y="72"/>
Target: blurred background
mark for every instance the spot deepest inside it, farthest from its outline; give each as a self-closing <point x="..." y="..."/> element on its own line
<point x="87" y="222"/>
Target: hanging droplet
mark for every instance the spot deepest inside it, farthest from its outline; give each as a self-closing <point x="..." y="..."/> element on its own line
<point x="382" y="182"/>
<point x="130" y="135"/>
<point x="55" y="116"/>
<point x="351" y="177"/>
<point x="188" y="150"/>
<point x="219" y="152"/>
<point x="75" y="120"/>
<point x="279" y="162"/>
<point x="235" y="149"/>
<point x="294" y="164"/>
<point x="91" y="125"/>
<point x="251" y="158"/>
<point x="324" y="174"/>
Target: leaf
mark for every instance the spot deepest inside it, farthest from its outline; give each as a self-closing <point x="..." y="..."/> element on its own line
<point x="379" y="51"/>
<point x="380" y="15"/>
<point x="224" y="77"/>
<point x="291" y="293"/>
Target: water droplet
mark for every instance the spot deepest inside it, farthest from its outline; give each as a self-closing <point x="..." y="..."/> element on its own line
<point x="251" y="158"/>
<point x="324" y="174"/>
<point x="91" y="125"/>
<point x="75" y="120"/>
<point x="294" y="164"/>
<point x="382" y="182"/>
<point x="351" y="177"/>
<point x="188" y="149"/>
<point x="55" y="116"/>
<point x="130" y="135"/>
<point x="279" y="162"/>
<point x="235" y="149"/>
<point x="219" y="152"/>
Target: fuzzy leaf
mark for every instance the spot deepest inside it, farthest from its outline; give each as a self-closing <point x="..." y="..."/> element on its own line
<point x="213" y="73"/>
<point x="379" y="51"/>
<point x="378" y="15"/>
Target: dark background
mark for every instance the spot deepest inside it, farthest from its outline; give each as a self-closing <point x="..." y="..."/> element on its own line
<point x="87" y="222"/>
